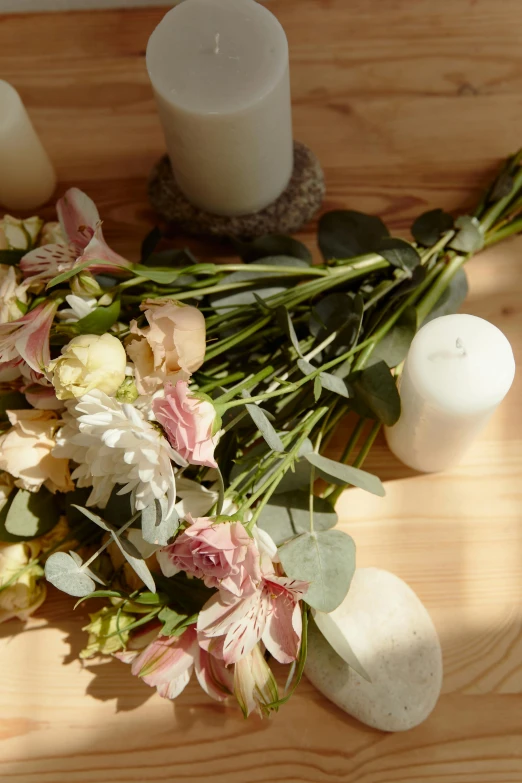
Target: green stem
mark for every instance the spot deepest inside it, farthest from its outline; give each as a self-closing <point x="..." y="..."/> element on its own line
<point x="252" y="380"/>
<point x="430" y="299"/>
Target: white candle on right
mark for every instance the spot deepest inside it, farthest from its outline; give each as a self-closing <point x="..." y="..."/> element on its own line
<point x="27" y="176"/>
<point x="459" y="368"/>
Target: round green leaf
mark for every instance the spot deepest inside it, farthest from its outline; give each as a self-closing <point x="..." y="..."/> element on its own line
<point x="30" y="514"/>
<point x="346" y="233"/>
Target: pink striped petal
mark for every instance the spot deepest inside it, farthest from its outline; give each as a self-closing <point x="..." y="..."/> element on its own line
<point x="44" y="263"/>
<point x="78" y="217"/>
<point x="213" y="676"/>
<point x="98" y="250"/>
<point x="167" y="658"/>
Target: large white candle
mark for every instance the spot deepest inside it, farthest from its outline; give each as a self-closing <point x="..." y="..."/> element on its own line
<point x="220" y="74"/>
<point x="458" y="369"/>
<point x="27" y="177"/>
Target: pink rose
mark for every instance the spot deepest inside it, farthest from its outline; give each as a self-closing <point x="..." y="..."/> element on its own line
<point x="222" y="554"/>
<point x="172" y="346"/>
<point x="188" y="422"/>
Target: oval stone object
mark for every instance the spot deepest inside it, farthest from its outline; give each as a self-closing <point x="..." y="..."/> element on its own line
<point x="393" y="637"/>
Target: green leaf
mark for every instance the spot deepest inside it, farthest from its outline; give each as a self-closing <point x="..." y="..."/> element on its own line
<point x="156" y="527"/>
<point x="341" y="313"/>
<point x="341" y="474"/>
<point x="452" y="298"/>
<point x="100" y="320"/>
<point x="65" y="572"/>
<point x="263" y="284"/>
<point x="394" y="347"/>
<point x="11" y="401"/>
<point x="502" y="186"/>
<point x="136" y="563"/>
<point x="330" y="382"/>
<point x="30" y="514"/>
<point x="336" y="637"/>
<point x="376" y="389"/>
<point x="288" y="514"/>
<point x="264" y="426"/>
<point x="317" y="388"/>
<point x="430" y="226"/>
<point x="285" y="322"/>
<point x="151" y="242"/>
<point x="399" y="253"/>
<point x="346" y="233"/>
<point x="100" y="594"/>
<point x="470" y="238"/>
<point x="272" y="245"/>
<point x="64" y="276"/>
<point x="326" y="560"/>
<point x="12" y="257"/>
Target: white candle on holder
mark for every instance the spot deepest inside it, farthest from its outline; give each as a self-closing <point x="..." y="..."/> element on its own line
<point x="459" y="368"/>
<point x="220" y="74"/>
<point x="27" y="177"/>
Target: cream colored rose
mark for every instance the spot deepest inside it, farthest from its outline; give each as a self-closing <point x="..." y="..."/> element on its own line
<point x="13" y="293"/>
<point x="27" y="589"/>
<point x="89" y="362"/>
<point x="25" y="452"/>
<point x="171" y="348"/>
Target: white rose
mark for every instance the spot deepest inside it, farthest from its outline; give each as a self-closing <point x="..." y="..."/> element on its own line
<point x="89" y="362"/>
<point x="26" y="591"/>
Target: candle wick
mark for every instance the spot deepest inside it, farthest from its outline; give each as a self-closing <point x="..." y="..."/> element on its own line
<point x="216" y="50"/>
<point x="460" y="346"/>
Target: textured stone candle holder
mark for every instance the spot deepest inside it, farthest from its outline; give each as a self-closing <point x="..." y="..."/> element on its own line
<point x="293" y="209"/>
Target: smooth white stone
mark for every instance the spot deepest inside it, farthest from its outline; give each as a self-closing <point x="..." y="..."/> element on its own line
<point x="393" y="637"/>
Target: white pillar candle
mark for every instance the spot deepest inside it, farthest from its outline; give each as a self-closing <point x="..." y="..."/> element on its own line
<point x="220" y="73"/>
<point x="27" y="177"/>
<point x="459" y="368"/>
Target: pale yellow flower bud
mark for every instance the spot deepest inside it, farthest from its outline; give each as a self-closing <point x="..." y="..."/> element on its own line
<point x="103" y="636"/>
<point x="19" y="234"/>
<point x="22" y="589"/>
<point x="89" y="362"/>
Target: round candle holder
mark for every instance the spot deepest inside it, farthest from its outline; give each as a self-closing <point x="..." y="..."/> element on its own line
<point x="295" y="207"/>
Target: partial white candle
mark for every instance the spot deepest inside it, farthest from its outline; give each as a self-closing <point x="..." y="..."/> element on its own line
<point x="220" y="73"/>
<point x="459" y="368"/>
<point x="27" y="176"/>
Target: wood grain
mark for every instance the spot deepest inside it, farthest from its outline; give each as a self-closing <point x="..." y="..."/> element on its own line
<point x="409" y="105"/>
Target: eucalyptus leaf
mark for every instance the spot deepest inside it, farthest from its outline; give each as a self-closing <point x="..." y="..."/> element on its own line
<point x="100" y="320"/>
<point x="325" y="559"/>
<point x="64" y="572"/>
<point x="394" y="347"/>
<point x="376" y="389"/>
<point x="156" y="527"/>
<point x="318" y="388"/>
<point x="335" y="635"/>
<point x="502" y="186"/>
<point x="469" y="238"/>
<point x="452" y="298"/>
<point x="346" y="233"/>
<point x="285" y="322"/>
<point x="263" y="284"/>
<point x="272" y="245"/>
<point x="288" y="514"/>
<point x="341" y="313"/>
<point x="330" y="382"/>
<point x="137" y="563"/>
<point x="399" y="253"/>
<point x="173" y="258"/>
<point x="430" y="226"/>
<point x="31" y="514"/>
<point x="96" y="518"/>
<point x="342" y="474"/>
<point x="264" y="426"/>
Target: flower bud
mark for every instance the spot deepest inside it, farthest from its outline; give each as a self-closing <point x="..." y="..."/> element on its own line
<point x="26" y="591"/>
<point x="127" y="391"/>
<point x="89" y="362"/>
<point x="85" y="284"/>
<point x="19" y="234"/>
<point x="52" y="234"/>
<point x="102" y="630"/>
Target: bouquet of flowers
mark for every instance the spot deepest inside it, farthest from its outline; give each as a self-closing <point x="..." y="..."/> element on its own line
<point x="166" y="424"/>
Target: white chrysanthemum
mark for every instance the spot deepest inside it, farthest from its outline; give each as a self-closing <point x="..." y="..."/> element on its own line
<point x="112" y="443"/>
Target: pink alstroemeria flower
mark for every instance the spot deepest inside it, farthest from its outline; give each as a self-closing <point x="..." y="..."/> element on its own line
<point x="255" y="687"/>
<point x="271" y="614"/>
<point x="222" y="554"/>
<point x="81" y="226"/>
<point x="167" y="664"/>
<point x="28" y="337"/>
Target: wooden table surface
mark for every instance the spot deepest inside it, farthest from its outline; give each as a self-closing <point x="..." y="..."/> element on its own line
<point x="409" y="104"/>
